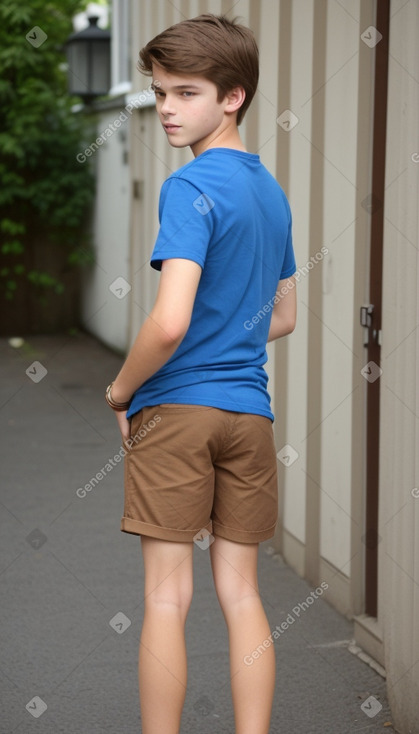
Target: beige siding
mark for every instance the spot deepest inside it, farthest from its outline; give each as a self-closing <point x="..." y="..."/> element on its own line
<point x="103" y="313"/>
<point x="339" y="214"/>
<point x="294" y="90"/>
<point x="399" y="512"/>
<point x="325" y="172"/>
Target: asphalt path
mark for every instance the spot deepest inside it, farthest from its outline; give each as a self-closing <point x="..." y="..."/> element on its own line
<point x="71" y="582"/>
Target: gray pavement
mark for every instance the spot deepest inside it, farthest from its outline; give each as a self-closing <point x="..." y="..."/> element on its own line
<point x="71" y="582"/>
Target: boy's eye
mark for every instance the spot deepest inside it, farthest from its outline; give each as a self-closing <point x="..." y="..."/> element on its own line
<point x="160" y="95"/>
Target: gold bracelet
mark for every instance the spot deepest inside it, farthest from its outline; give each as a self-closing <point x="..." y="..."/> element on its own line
<point x="112" y="403"/>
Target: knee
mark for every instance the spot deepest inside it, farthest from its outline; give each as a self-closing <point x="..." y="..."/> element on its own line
<point x="233" y="594"/>
<point x="234" y="569"/>
<point x="174" y="600"/>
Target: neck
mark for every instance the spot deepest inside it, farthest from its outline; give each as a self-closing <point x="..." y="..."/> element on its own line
<point x="228" y="138"/>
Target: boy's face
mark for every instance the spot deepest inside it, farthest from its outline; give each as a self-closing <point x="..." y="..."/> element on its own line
<point x="188" y="109"/>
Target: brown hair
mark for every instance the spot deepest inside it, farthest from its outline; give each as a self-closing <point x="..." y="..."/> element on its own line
<point x="211" y="46"/>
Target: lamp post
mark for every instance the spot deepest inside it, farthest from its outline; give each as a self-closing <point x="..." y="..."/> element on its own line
<point x="88" y="57"/>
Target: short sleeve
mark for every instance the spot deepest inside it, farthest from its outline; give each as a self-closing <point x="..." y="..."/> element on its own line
<point x="186" y="223"/>
<point x="288" y="266"/>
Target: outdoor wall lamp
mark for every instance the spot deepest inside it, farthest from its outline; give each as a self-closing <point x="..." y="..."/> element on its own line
<point x="89" y="62"/>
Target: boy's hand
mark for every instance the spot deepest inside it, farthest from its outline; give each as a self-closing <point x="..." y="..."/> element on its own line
<point x="124" y="425"/>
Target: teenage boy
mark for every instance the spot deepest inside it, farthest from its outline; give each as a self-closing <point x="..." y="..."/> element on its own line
<point x="193" y="385"/>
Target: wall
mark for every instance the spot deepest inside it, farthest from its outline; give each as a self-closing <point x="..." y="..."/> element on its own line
<point x="105" y="308"/>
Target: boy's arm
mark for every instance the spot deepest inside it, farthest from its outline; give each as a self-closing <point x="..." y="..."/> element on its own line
<point x="284" y="312"/>
<point x="163" y="330"/>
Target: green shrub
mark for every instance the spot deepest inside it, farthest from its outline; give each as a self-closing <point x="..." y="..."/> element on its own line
<point x="45" y="194"/>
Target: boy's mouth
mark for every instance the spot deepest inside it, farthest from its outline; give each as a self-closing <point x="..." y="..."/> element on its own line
<point x="170" y="128"/>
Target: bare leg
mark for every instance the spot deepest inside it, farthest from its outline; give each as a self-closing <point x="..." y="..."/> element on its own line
<point x="162" y="666"/>
<point x="234" y="568"/>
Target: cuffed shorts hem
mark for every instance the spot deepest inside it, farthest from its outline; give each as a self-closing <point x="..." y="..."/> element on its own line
<point x="243" y="536"/>
<point x="138" y="527"/>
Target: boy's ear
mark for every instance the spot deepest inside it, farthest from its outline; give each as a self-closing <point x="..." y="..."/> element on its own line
<point x="235" y="98"/>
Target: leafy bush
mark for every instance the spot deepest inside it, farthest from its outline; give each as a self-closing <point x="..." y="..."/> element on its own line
<point x="45" y="193"/>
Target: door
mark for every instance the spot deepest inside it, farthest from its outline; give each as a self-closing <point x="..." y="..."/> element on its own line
<point x="371" y="313"/>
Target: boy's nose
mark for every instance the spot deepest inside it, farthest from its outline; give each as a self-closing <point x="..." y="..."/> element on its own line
<point x="167" y="106"/>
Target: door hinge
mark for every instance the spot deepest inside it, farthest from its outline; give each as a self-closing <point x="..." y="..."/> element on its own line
<point x="366" y="315"/>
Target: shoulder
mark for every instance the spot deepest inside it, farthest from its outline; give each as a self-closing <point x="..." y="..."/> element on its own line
<point x="185" y="178"/>
<point x="186" y="188"/>
<point x="194" y="172"/>
<point x="189" y="184"/>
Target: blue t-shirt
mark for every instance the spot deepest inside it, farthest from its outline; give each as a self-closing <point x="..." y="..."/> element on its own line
<point x="224" y="211"/>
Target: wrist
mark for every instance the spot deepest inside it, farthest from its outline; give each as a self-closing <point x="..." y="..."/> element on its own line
<point x="119" y="395"/>
<point x="115" y="402"/>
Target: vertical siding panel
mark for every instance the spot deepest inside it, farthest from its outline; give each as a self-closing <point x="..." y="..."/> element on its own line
<point x="138" y="22"/>
<point x="104" y="315"/>
<point x="260" y="120"/>
<point x="142" y="32"/>
<point x="249" y="129"/>
<point x="196" y="7"/>
<point x="315" y="306"/>
<point x="399" y="508"/>
<point x="293" y="162"/>
<point x="339" y="202"/>
<point x="282" y="83"/>
<point x="143" y="158"/>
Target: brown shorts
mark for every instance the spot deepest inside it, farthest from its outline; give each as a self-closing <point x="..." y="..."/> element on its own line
<point x="192" y="469"/>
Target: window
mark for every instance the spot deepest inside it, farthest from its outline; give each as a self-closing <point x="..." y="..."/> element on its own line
<point x="121" y="47"/>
